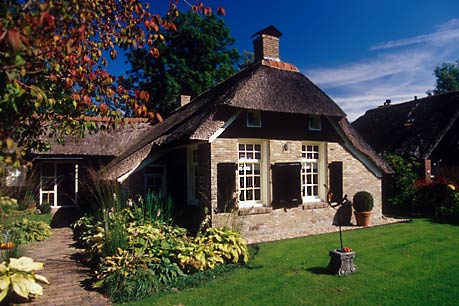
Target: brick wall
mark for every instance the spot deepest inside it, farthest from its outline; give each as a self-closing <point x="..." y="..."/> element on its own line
<point x="266" y="46"/>
<point x="265" y="223"/>
<point x="356" y="177"/>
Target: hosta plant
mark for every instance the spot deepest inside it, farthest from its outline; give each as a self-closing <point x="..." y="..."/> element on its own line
<point x="227" y="243"/>
<point x="19" y="277"/>
<point x="213" y="247"/>
<point x="28" y="231"/>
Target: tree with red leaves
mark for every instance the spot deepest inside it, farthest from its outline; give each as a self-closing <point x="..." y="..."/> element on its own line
<point x="53" y="60"/>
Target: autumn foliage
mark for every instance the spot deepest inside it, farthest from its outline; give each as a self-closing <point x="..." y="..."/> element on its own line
<point x="53" y="58"/>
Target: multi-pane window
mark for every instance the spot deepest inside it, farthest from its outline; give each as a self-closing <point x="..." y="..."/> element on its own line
<point x="249" y="169"/>
<point x="310" y="155"/>
<point x="48" y="184"/>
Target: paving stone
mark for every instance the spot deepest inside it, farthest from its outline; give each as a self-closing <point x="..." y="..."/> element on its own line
<point x="65" y="273"/>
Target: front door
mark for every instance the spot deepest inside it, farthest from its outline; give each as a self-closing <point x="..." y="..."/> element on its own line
<point x="59" y="183"/>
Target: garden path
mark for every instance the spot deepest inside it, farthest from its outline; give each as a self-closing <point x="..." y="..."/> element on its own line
<point x="66" y="274"/>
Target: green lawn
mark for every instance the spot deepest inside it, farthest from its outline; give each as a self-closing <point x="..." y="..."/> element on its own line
<point x="401" y="264"/>
<point x="38" y="217"/>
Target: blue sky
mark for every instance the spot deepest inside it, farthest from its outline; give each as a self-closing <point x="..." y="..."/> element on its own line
<point x="359" y="52"/>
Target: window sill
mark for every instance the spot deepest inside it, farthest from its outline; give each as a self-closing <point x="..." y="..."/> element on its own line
<point x="314" y="205"/>
<point x="244" y="211"/>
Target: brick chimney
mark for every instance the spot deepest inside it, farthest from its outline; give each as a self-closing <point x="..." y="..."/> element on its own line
<point x="266" y="44"/>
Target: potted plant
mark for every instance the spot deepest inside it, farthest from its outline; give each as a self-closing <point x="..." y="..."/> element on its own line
<point x="363" y="204"/>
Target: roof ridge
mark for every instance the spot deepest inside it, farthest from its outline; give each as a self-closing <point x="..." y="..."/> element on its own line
<point x="417" y="100"/>
<point x="279" y="65"/>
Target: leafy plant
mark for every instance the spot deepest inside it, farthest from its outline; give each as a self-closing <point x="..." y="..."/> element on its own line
<point x="7" y="205"/>
<point x="53" y="67"/>
<point x="154" y="208"/>
<point x="403" y="188"/>
<point x="362" y="201"/>
<point x="45" y="208"/>
<point x="28" y="231"/>
<point x="214" y="247"/>
<point x="115" y="233"/>
<point x="19" y="277"/>
<point x="194" y="58"/>
<point x="119" y="274"/>
<point x="123" y="288"/>
<point x="440" y="198"/>
<point x="134" y="245"/>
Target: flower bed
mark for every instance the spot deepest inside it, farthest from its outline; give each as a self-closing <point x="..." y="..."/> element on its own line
<point x="138" y="253"/>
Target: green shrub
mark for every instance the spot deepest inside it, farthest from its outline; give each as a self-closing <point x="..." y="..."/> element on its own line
<point x="402" y="187"/>
<point x="160" y="252"/>
<point x="45" y="208"/>
<point x="27" y="231"/>
<point x="362" y="201"/>
<point x="439" y="198"/>
<point x="120" y="287"/>
<point x="214" y="247"/>
<point x="83" y="228"/>
<point x="119" y="274"/>
<point x="138" y="252"/>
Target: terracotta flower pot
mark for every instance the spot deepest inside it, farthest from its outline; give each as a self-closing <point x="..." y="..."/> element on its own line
<point x="362" y="217"/>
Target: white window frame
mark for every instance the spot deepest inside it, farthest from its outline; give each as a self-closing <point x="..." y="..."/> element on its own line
<point x="257" y="118"/>
<point x="315" y="119"/>
<point x="320" y="172"/>
<point x="51" y="192"/>
<point x="56" y="192"/>
<point x="161" y="175"/>
<point x="263" y="173"/>
<point x="192" y="174"/>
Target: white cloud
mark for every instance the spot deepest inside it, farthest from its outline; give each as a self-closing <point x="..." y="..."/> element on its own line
<point x="398" y="71"/>
<point x="445" y="32"/>
<point x="379" y="67"/>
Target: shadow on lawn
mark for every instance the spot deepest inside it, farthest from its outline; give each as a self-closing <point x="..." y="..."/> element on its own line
<point x="319" y="270"/>
<point x="452" y="220"/>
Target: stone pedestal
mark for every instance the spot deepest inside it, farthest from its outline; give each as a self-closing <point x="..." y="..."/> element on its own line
<point x="341" y="263"/>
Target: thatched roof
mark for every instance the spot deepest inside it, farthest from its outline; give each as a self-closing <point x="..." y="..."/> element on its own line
<point x="412" y="128"/>
<point x="111" y="142"/>
<point x="360" y="145"/>
<point x="267" y="86"/>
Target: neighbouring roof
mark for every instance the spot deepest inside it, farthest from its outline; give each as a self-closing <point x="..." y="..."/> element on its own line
<point x="111" y="142"/>
<point x="361" y="146"/>
<point x="412" y="128"/>
<point x="263" y="86"/>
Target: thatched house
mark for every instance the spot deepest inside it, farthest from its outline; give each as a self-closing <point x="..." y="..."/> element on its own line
<point x="256" y="150"/>
<point x="63" y="172"/>
<point x="427" y="129"/>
